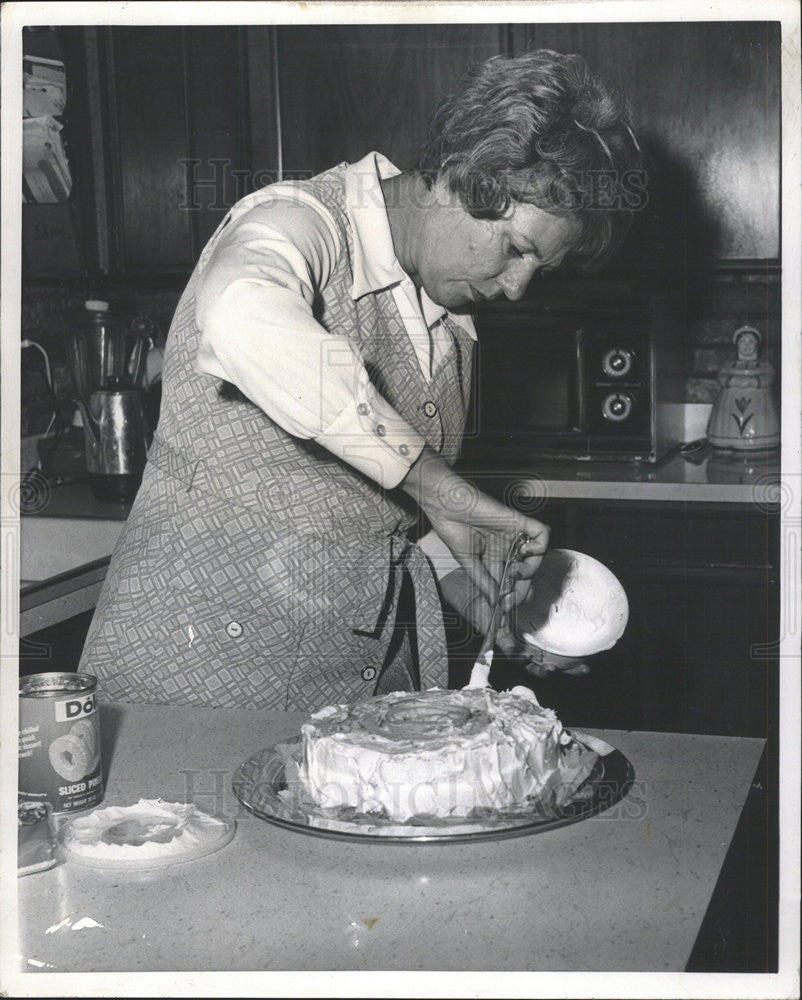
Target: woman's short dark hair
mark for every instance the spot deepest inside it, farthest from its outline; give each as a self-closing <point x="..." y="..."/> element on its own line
<point x="540" y="128"/>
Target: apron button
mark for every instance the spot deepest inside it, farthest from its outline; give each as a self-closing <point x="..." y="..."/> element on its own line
<point x="381" y="430"/>
<point x="430" y="408"/>
<point x="368" y="673"/>
<point x="234" y="630"/>
<point x="363" y="409"/>
<point x="403" y="449"/>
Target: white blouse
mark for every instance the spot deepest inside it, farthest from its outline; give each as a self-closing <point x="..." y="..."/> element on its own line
<point x="258" y="280"/>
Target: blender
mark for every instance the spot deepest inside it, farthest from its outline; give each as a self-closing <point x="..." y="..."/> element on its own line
<point x="107" y="366"/>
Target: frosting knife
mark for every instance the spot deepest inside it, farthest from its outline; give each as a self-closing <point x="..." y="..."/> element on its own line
<point x="480" y="673"/>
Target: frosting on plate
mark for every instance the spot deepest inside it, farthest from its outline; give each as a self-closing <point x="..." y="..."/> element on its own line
<point x="149" y="834"/>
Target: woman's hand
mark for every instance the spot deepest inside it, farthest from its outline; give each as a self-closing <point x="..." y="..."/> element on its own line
<point x="476" y="528"/>
<point x="479" y="532"/>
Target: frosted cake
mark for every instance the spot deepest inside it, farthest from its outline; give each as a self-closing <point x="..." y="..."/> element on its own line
<point x="441" y="754"/>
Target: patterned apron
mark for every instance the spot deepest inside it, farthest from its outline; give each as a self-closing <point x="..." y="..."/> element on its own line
<point x="256" y="570"/>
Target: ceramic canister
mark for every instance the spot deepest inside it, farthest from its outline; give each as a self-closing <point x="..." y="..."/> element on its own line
<point x="745" y="415"/>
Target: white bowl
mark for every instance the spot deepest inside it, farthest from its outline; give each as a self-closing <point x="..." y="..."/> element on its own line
<point x="575" y="606"/>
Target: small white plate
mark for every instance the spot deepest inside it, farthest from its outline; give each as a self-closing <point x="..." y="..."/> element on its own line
<point x="149" y="834"/>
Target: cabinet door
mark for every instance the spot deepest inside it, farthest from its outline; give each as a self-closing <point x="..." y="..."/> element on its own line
<point x="59" y="239"/>
<point x="705" y="98"/>
<point x="703" y="592"/>
<point x="348" y="89"/>
<point x="178" y="140"/>
<point x="699" y="651"/>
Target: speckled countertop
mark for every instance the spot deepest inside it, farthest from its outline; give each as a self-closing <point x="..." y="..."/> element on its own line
<point x="700" y="475"/>
<point x="625" y="890"/>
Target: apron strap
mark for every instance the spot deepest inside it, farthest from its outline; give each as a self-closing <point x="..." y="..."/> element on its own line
<point x="421" y="617"/>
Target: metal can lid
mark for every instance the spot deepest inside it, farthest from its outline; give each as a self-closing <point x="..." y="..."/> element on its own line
<point x="44" y="685"/>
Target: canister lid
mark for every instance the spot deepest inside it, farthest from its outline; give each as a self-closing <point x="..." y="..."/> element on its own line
<point x="96" y="305"/>
<point x="44" y="685"/>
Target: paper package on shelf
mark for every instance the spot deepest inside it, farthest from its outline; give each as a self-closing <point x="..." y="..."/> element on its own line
<point x="44" y="87"/>
<point x="46" y="176"/>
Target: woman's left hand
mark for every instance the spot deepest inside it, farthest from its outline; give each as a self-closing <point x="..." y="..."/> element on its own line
<point x="465" y="598"/>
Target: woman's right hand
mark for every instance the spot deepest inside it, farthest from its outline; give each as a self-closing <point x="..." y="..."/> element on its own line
<point x="477" y="529"/>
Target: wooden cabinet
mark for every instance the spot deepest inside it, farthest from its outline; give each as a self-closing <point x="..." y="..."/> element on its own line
<point x="182" y="121"/>
<point x="157" y="129"/>
<point x="185" y="120"/>
<point x="703" y="590"/>
<point x="197" y="117"/>
<point x="177" y="140"/>
<point x="59" y="239"/>
<point x="345" y="90"/>
<point x="705" y="97"/>
<point x="698" y="654"/>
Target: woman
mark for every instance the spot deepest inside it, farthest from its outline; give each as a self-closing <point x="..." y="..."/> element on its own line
<point x="314" y="395"/>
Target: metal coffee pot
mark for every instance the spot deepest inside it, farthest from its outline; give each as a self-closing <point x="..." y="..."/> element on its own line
<point x="107" y="360"/>
<point x="117" y="437"/>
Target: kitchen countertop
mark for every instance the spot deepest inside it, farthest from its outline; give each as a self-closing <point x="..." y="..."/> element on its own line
<point x="625" y="890"/>
<point x="70" y="530"/>
<point x="66" y="527"/>
<point x="75" y="500"/>
<point x="702" y="474"/>
<point x="699" y="475"/>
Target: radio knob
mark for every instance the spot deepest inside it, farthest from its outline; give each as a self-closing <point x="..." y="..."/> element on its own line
<point x="617" y="362"/>
<point x="617" y="406"/>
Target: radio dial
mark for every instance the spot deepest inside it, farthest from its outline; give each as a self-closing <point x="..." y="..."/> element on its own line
<point x="617" y="406"/>
<point x="617" y="362"/>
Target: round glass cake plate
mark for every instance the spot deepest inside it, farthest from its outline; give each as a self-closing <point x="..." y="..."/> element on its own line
<point x="261" y="784"/>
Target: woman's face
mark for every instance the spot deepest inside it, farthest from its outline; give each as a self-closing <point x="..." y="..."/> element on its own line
<point x="460" y="260"/>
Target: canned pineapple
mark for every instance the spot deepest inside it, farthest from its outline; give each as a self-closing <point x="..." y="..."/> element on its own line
<point x="59" y="741"/>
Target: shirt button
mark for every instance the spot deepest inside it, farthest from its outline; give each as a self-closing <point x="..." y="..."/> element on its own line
<point x="430" y="408"/>
<point x="234" y="630"/>
<point x="403" y="449"/>
<point x="363" y="409"/>
<point x="368" y="673"/>
<point x="381" y="430"/>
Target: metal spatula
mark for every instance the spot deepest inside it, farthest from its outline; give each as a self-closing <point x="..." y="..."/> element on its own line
<point x="480" y="673"/>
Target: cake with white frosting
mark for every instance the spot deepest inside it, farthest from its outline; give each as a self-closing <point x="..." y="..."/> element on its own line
<point x="440" y="754"/>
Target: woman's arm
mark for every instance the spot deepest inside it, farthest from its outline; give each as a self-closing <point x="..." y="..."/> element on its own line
<point x="477" y="529"/>
<point x="255" y="311"/>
